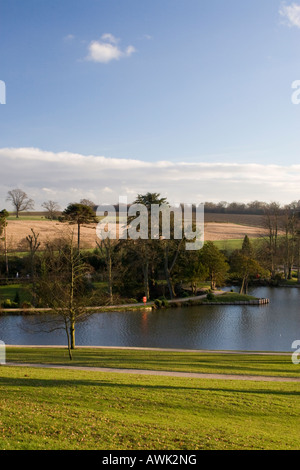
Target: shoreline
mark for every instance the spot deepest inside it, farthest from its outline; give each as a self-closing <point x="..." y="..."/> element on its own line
<point x="149" y="306"/>
<point x="145" y="348"/>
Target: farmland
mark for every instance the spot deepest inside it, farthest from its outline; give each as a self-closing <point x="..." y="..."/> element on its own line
<point x="217" y="227"/>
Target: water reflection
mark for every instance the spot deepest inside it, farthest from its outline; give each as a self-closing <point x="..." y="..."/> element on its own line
<point x="271" y="327"/>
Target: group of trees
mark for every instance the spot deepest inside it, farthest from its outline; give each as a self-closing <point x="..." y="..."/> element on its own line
<point x="21" y="202"/>
<point x="253" y="208"/>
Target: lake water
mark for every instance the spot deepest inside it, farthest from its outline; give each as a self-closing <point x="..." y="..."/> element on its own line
<point x="271" y="327"/>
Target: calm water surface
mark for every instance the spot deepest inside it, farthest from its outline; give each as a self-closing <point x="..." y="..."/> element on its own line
<point x="271" y="327"/>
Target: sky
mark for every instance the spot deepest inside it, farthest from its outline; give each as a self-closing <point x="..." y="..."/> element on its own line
<point x="189" y="98"/>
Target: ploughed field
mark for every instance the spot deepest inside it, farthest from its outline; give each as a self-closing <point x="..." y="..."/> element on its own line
<point x="217" y="227"/>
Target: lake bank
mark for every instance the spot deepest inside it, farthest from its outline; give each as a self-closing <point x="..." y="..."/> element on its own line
<point x="228" y="299"/>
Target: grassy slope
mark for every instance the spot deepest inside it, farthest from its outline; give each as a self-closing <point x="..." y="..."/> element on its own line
<point x="62" y="409"/>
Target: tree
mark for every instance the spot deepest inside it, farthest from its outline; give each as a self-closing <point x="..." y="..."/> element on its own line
<point x="34" y="245"/>
<point x="245" y="267"/>
<point x="20" y="201"/>
<point x="215" y="263"/>
<point x="3" y="224"/>
<point x="79" y="214"/>
<point x="146" y="249"/>
<point x="62" y="287"/>
<point x="290" y="224"/>
<point x="109" y="250"/>
<point x="52" y="209"/>
<point x="271" y="221"/>
<point x="247" y="249"/>
<point x="191" y="270"/>
<point x="171" y="250"/>
<point x="88" y="202"/>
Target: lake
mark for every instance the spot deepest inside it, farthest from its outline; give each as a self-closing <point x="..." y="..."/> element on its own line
<point x="271" y="327"/>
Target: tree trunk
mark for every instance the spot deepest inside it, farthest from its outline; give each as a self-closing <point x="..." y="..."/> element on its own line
<point x="78" y="237"/>
<point x="168" y="278"/>
<point x="69" y="343"/>
<point x="72" y="335"/>
<point x="109" y="268"/>
<point x="146" y="279"/>
<point x="242" y="286"/>
<point x="168" y="270"/>
<point x="5" y="249"/>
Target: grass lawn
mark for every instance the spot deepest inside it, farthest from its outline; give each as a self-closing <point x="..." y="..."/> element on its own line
<point x="27" y="217"/>
<point x="10" y="291"/>
<point x="68" y="409"/>
<point x="232" y="297"/>
<point x="229" y="245"/>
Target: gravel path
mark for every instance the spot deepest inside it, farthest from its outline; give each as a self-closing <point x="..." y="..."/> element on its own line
<point x="192" y="375"/>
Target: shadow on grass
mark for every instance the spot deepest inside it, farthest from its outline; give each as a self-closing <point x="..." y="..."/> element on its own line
<point x="28" y="382"/>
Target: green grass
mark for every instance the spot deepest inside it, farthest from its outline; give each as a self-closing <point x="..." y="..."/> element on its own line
<point x="249" y="364"/>
<point x="10" y="291"/>
<point x="290" y="282"/>
<point x="27" y="217"/>
<point x="229" y="245"/>
<point x="232" y="297"/>
<point x="55" y="409"/>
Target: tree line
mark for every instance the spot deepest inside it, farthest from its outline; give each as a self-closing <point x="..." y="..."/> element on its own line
<point x="22" y="202"/>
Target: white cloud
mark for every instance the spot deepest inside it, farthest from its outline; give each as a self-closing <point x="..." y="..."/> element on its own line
<point x="110" y="38"/>
<point x="291" y="13"/>
<point x="66" y="177"/>
<point x="107" y="49"/>
<point x="69" y="37"/>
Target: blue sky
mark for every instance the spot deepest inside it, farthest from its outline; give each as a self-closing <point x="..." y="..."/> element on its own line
<point x="122" y="86"/>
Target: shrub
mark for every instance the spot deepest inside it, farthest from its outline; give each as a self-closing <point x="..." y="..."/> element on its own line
<point x="26" y="305"/>
<point x="210" y="296"/>
<point x="9" y="304"/>
<point x="157" y="303"/>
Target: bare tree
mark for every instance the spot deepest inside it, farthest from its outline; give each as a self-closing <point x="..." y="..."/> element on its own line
<point x="271" y="222"/>
<point x="108" y="248"/>
<point x="88" y="202"/>
<point x="34" y="245"/>
<point x="62" y="287"/>
<point x="52" y="209"/>
<point x="20" y="201"/>
<point x="3" y="224"/>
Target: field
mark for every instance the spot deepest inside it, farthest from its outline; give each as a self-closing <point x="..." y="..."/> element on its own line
<point x="76" y="409"/>
<point x="231" y="228"/>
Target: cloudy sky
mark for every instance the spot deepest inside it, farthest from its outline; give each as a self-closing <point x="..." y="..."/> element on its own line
<point x="189" y="98"/>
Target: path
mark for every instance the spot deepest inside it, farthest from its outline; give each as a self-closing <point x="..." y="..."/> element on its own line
<point x="190" y="375"/>
<point x="111" y="307"/>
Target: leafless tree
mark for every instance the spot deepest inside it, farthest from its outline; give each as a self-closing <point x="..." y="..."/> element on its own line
<point x="19" y="200"/>
<point x="108" y="248"/>
<point x="88" y="202"/>
<point x="52" y="209"/>
<point x="62" y="287"/>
